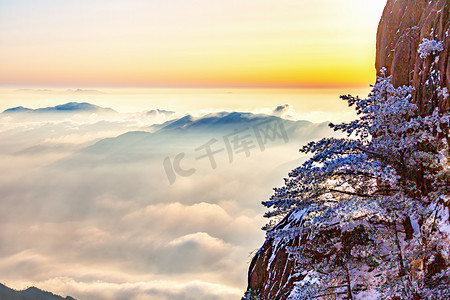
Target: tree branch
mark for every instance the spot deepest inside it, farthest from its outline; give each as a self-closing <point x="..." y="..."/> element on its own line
<point x="351" y="193"/>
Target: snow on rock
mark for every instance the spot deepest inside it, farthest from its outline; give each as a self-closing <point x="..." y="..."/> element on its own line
<point x="428" y="47"/>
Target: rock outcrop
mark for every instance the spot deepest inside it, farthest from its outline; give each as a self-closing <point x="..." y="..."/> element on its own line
<point x="403" y="27"/>
<point x="272" y="274"/>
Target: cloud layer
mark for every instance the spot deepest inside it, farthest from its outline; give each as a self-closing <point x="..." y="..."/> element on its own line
<point x="107" y="224"/>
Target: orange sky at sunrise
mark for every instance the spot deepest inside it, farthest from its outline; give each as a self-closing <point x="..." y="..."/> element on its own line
<point x="245" y="43"/>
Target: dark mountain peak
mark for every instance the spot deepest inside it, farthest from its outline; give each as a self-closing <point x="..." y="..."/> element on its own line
<point x="31" y="293"/>
<point x="70" y="107"/>
<point x="217" y="121"/>
<point x="178" y="123"/>
<point x="75" y="107"/>
<point x="17" y="109"/>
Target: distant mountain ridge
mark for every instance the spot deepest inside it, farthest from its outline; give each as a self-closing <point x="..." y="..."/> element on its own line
<point x="31" y="293"/>
<point x="210" y="124"/>
<point x="189" y="132"/>
<point x="62" y="108"/>
<point x="221" y="120"/>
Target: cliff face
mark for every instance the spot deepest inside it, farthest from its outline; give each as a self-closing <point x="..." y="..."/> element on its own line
<point x="272" y="273"/>
<point x="403" y="27"/>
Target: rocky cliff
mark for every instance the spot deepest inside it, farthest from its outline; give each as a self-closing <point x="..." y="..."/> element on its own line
<point x="272" y="273"/>
<point x="405" y="28"/>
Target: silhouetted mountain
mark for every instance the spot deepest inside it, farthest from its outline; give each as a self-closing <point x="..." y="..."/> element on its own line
<point x="223" y="121"/>
<point x="71" y="107"/>
<point x="18" y="109"/>
<point x="30" y="293"/>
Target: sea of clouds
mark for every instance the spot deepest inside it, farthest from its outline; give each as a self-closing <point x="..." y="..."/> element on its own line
<point x="89" y="210"/>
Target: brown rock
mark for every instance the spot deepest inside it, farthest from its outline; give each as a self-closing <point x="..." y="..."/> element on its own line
<point x="402" y="28"/>
<point x="272" y="274"/>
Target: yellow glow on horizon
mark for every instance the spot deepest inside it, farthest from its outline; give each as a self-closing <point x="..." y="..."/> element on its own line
<point x="209" y="43"/>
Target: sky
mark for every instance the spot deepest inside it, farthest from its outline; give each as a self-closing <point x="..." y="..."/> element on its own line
<point x="198" y="43"/>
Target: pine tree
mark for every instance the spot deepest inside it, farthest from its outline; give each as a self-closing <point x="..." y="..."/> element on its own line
<point x="374" y="205"/>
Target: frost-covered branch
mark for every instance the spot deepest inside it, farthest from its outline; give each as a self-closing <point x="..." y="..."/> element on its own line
<point x="392" y="166"/>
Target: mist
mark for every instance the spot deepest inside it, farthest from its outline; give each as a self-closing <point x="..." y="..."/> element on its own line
<point x="133" y="206"/>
